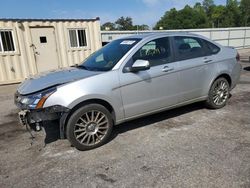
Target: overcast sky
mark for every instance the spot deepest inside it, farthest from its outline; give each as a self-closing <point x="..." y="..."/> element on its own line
<point x="142" y="11"/>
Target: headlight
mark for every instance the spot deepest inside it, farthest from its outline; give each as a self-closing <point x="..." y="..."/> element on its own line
<point x="37" y="100"/>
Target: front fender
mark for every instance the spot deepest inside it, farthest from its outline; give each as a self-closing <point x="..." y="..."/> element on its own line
<point x="116" y="105"/>
<point x="103" y="86"/>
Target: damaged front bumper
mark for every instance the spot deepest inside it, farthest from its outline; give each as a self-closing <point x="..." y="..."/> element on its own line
<point x="34" y="118"/>
<point x="39" y="115"/>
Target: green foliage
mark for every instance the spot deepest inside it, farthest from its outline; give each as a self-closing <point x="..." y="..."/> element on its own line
<point x="108" y="26"/>
<point x="207" y="14"/>
<point x="218" y="16"/>
<point x="184" y="19"/>
<point x="202" y="15"/>
<point x="245" y="12"/>
<point x="141" y="27"/>
<point x="123" y="23"/>
<point x="207" y="5"/>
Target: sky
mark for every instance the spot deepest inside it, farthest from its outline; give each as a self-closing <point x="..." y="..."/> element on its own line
<point x="142" y="11"/>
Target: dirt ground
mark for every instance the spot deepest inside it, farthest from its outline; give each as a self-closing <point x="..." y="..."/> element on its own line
<point x="186" y="147"/>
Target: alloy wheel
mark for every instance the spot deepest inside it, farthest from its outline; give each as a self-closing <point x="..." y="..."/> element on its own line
<point x="220" y="93"/>
<point x="91" y="127"/>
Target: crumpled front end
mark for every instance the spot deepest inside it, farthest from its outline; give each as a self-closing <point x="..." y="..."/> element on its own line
<point x="33" y="113"/>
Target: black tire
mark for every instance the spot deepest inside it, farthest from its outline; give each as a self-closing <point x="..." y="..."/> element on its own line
<point x="213" y="92"/>
<point x="78" y="121"/>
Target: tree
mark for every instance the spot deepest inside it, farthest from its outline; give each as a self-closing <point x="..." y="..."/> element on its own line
<point x="218" y="15"/>
<point x="207" y="14"/>
<point x="245" y="12"/>
<point x="187" y="18"/>
<point x="124" y="23"/>
<point x="108" y="26"/>
<point x="207" y="5"/>
<point x="198" y="6"/>
<point x="169" y="20"/>
<point x="204" y="22"/>
<point x="232" y="14"/>
<point x="141" y="27"/>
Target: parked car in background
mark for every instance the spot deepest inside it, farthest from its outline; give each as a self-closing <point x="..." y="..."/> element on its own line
<point x="126" y="79"/>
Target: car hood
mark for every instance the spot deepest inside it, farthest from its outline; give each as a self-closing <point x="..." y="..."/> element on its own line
<point x="49" y="79"/>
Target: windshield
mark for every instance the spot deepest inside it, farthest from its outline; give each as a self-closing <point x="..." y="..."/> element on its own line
<point x="107" y="57"/>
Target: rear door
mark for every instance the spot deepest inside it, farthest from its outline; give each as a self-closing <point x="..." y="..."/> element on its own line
<point x="193" y="59"/>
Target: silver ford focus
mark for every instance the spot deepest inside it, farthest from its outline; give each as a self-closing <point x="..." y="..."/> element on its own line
<point x="126" y="79"/>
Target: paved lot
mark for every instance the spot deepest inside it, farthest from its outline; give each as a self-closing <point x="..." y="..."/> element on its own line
<point x="186" y="147"/>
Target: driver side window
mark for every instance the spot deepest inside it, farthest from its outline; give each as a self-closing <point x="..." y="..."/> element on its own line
<point x="157" y="52"/>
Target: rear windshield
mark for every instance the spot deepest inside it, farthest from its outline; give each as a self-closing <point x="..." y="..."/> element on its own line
<point x="108" y="56"/>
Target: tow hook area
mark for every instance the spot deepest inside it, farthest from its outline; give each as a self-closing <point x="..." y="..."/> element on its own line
<point x="38" y="127"/>
<point x="34" y="119"/>
<point x="23" y="117"/>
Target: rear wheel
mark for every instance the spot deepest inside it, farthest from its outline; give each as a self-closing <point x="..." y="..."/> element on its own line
<point x="89" y="127"/>
<point x="218" y="94"/>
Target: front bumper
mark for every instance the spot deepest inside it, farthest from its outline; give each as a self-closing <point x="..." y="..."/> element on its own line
<point x="29" y="117"/>
<point x="34" y="118"/>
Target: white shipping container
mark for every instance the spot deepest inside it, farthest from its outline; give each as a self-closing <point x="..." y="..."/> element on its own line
<point x="30" y="46"/>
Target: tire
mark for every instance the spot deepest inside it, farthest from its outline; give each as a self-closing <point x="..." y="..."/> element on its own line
<point x="218" y="94"/>
<point x="89" y="127"/>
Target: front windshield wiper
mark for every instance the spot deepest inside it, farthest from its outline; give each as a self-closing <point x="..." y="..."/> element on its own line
<point x="82" y="67"/>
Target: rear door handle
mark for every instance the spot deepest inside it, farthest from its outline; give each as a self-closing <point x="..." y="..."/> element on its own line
<point x="167" y="69"/>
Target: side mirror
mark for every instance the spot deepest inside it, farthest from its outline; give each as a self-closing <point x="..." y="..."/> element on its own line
<point x="139" y="65"/>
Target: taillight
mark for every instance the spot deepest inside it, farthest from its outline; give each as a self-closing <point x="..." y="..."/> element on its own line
<point x="238" y="57"/>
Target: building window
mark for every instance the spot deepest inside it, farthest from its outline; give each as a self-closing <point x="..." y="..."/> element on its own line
<point x="110" y="38"/>
<point x="43" y="39"/>
<point x="77" y="38"/>
<point x="6" y="41"/>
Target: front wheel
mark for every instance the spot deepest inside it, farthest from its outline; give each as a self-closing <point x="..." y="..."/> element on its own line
<point x="218" y="94"/>
<point x="89" y="127"/>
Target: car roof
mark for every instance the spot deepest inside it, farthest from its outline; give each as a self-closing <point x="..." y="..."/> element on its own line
<point x="158" y="34"/>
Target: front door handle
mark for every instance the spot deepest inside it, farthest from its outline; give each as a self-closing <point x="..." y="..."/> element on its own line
<point x="207" y="60"/>
<point x="167" y="69"/>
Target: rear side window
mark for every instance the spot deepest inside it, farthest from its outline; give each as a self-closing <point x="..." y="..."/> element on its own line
<point x="189" y="47"/>
<point x="212" y="48"/>
<point x="157" y="52"/>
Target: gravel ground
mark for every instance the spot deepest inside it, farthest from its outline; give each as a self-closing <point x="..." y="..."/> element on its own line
<point x="186" y="147"/>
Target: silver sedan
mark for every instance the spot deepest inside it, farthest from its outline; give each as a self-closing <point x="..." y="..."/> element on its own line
<point x="126" y="79"/>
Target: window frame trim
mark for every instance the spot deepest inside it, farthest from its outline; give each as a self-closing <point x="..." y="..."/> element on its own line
<point x="1" y="43"/>
<point x="171" y="57"/>
<point x="127" y="61"/>
<point x="15" y="43"/>
<point x="78" y="48"/>
<point x="208" y="50"/>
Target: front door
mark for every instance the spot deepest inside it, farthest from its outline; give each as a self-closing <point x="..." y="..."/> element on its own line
<point x="44" y="48"/>
<point x="153" y="89"/>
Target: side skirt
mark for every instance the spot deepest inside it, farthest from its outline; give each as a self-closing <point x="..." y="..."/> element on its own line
<point x="162" y="109"/>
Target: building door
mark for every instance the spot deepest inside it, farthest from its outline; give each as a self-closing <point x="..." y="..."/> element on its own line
<point x="44" y="48"/>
